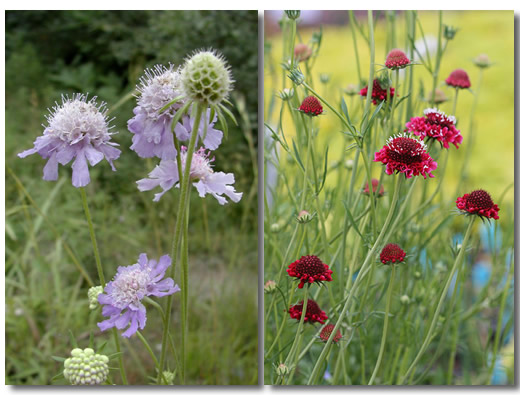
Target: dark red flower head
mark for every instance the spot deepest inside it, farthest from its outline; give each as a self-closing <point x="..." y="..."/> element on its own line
<point x="311" y="106"/>
<point x="406" y="155"/>
<point x="378" y="93"/>
<point x="309" y="269"/>
<point x="436" y="125"/>
<point x="302" y="52"/>
<point x="312" y="314"/>
<point x="392" y="253"/>
<point x="378" y="191"/>
<point x="479" y="203"/>
<point x="458" y="79"/>
<point x="396" y="59"/>
<point x="326" y="331"/>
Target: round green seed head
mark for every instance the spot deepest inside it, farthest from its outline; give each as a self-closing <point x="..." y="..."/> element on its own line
<point x="206" y="78"/>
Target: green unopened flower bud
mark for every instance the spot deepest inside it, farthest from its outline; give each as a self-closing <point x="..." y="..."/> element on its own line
<point x="292" y="14"/>
<point x="85" y="367"/>
<point x="304" y="217"/>
<point x="405" y="300"/>
<point x="286" y="94"/>
<point x="275" y="228"/>
<point x="417" y="275"/>
<point x="352" y="90"/>
<point x="324" y="78"/>
<point x="482" y="61"/>
<point x="169" y="377"/>
<point x="449" y="32"/>
<point x="93" y="294"/>
<point x="296" y="76"/>
<point x="206" y="78"/>
<point x="349" y="164"/>
<point x="269" y="287"/>
<point x="282" y="370"/>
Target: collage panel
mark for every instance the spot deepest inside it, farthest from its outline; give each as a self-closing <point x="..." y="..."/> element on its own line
<point x="389" y="198"/>
<point x="118" y="263"/>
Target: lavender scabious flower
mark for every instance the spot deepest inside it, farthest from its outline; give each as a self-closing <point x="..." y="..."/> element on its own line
<point x="122" y="296"/>
<point x="206" y="181"/>
<point x="213" y="136"/>
<point x="78" y="128"/>
<point x="151" y="127"/>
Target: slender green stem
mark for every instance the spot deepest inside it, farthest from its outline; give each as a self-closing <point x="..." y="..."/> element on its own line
<point x="385" y="327"/>
<point x="455" y="102"/>
<point x="359" y="278"/>
<point x="435" y="318"/>
<point x="185" y="289"/>
<point x="438" y="60"/>
<point x="150" y="351"/>
<point x="181" y="213"/>
<point x="101" y="276"/>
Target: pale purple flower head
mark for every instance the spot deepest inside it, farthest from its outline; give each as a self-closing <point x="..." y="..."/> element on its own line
<point x="151" y="128"/>
<point x="213" y="136"/>
<point x="122" y="296"/>
<point x="203" y="177"/>
<point x="77" y="129"/>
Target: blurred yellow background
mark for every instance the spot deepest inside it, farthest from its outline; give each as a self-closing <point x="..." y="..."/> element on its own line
<point x="491" y="165"/>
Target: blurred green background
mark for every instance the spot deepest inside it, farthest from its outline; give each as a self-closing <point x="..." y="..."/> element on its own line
<point x="490" y="32"/>
<point x="49" y="53"/>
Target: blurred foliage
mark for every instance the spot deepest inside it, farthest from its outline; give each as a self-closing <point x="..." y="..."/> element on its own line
<point x="50" y="53"/>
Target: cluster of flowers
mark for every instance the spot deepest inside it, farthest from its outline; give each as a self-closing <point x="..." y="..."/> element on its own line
<point x="79" y="129"/>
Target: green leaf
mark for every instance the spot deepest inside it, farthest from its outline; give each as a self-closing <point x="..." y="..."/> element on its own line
<point x="372" y="118"/>
<point x="58" y="376"/>
<point x="180" y="112"/>
<point x="58" y="359"/>
<point x="177" y="99"/>
<point x="229" y="113"/>
<point x="324" y="172"/>
<point x="73" y="341"/>
<point x="344" y="108"/>
<point x="354" y="225"/>
<point x="223" y="122"/>
<point x="297" y="156"/>
<point x="277" y="138"/>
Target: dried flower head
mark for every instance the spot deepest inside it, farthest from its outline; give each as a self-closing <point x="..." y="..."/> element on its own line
<point x="206" y="78"/>
<point x="122" y="296"/>
<point x="378" y="93"/>
<point x="458" y="79"/>
<point x="77" y="129"/>
<point x="302" y="52"/>
<point x="351" y="90"/>
<point x="270" y="287"/>
<point x="479" y="203"/>
<point x="326" y="332"/>
<point x="282" y="370"/>
<point x="392" y="253"/>
<point x="435" y="125"/>
<point x="313" y="312"/>
<point x="406" y="155"/>
<point x="396" y="59"/>
<point x="85" y="367"/>
<point x="311" y="106"/>
<point x="309" y="269"/>
<point x="166" y="175"/>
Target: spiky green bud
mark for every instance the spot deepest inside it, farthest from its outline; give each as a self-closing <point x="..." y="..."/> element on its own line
<point x="293" y="14"/>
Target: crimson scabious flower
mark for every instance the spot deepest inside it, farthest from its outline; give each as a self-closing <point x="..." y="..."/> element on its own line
<point x="378" y="93"/>
<point x="378" y="192"/>
<point x="406" y="155"/>
<point x="312" y="314"/>
<point x="479" y="203"/>
<point x="78" y="130"/>
<point x="309" y="269"/>
<point x="396" y="59"/>
<point x="326" y="331"/>
<point x="435" y="125"/>
<point x="458" y="79"/>
<point x="392" y="253"/>
<point x="311" y="106"/>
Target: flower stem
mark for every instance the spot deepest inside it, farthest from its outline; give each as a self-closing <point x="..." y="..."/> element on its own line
<point x="455" y="101"/>
<point x="433" y="323"/>
<point x="101" y="276"/>
<point x="183" y="202"/>
<point x="385" y="327"/>
<point x="360" y="276"/>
